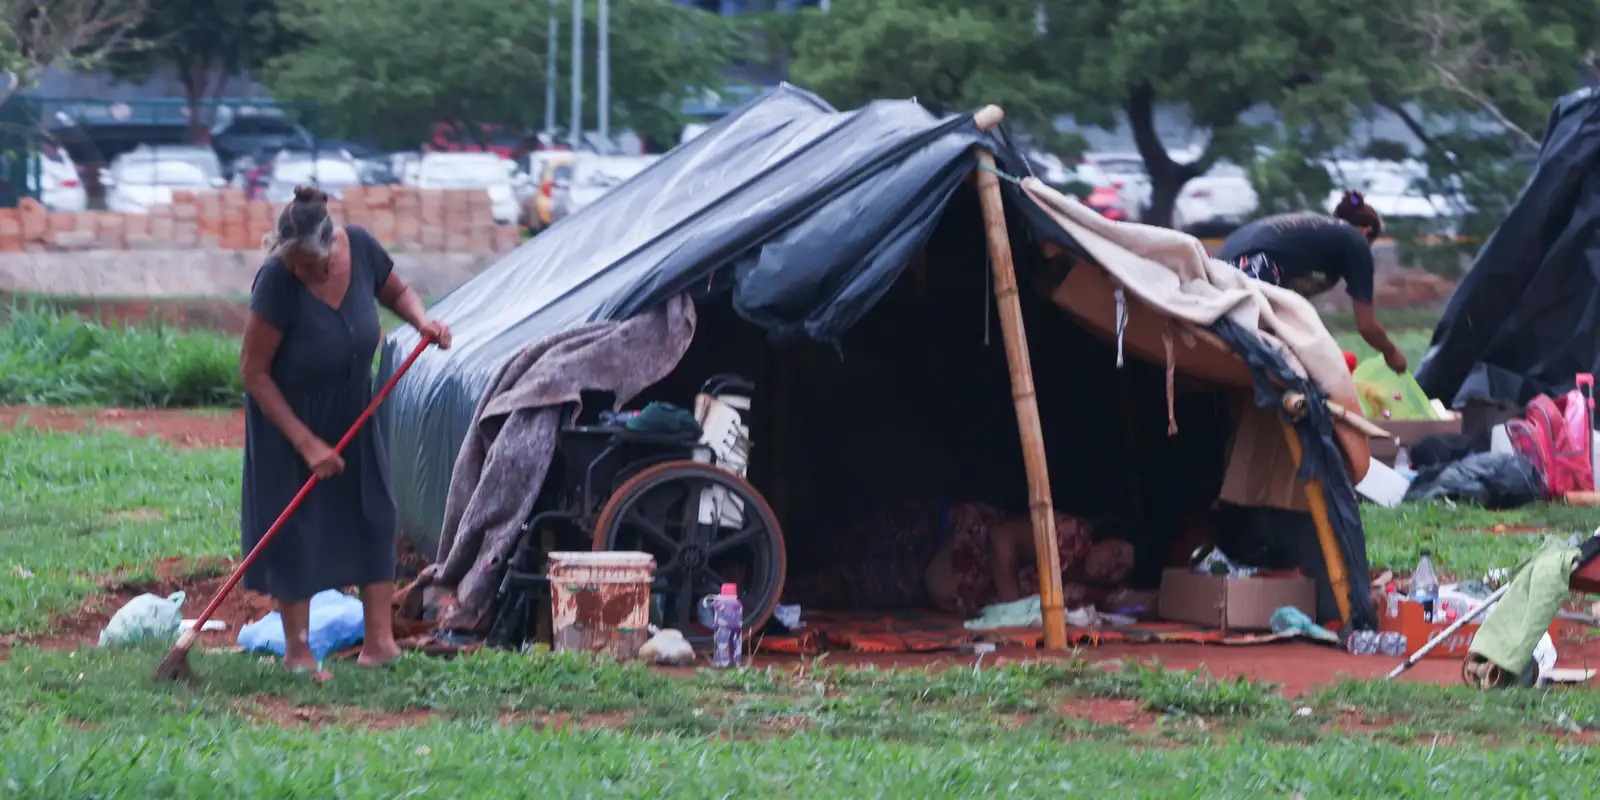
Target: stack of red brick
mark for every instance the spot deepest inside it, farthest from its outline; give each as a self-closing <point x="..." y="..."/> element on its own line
<point x="403" y="218"/>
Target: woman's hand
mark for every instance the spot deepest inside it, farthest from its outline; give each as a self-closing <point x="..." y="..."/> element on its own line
<point x="1396" y="360"/>
<point x="436" y="330"/>
<point x="321" y="458"/>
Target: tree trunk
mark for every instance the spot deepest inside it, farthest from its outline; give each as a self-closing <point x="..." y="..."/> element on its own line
<point x="1167" y="177"/>
<point x="194" y="92"/>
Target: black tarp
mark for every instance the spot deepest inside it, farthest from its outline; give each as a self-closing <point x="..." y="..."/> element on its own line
<point x="1526" y="317"/>
<point x="811" y="213"/>
<point x="815" y="211"/>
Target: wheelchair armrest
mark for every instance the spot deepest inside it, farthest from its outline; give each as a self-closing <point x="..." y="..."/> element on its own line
<point x="726" y="383"/>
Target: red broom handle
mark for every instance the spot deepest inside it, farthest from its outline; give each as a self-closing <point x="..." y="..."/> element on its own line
<point x="238" y="574"/>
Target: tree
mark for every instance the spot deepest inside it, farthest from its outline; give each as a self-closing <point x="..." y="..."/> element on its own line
<point x="205" y="43"/>
<point x="950" y="56"/>
<point x="393" y="69"/>
<point x="40" y="34"/>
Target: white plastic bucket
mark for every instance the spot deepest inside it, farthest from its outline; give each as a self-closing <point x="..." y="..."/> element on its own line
<point x="600" y="602"/>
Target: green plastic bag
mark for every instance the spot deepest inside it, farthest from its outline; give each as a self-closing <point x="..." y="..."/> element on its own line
<point x="1398" y="394"/>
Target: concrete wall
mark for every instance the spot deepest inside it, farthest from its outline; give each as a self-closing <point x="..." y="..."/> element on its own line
<point x="195" y="272"/>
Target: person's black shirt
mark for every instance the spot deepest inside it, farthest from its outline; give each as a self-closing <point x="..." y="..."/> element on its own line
<point x="1311" y="252"/>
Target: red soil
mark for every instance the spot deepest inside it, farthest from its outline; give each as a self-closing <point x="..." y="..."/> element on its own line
<point x="180" y="427"/>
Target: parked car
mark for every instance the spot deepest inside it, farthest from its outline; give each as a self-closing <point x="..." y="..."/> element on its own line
<point x="1104" y="197"/>
<point x="146" y="176"/>
<point x="257" y="135"/>
<point x="545" y="167"/>
<point x="1392" y="189"/>
<point x="590" y="179"/>
<point x="329" y="173"/>
<point x="485" y="171"/>
<point x="57" y="183"/>
<point x="1216" y="203"/>
<point x="1128" y="176"/>
<point x="404" y="166"/>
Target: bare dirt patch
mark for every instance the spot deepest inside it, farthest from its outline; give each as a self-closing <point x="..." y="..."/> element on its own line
<point x="180" y="427"/>
<point x="1129" y="714"/>
<point x="280" y="712"/>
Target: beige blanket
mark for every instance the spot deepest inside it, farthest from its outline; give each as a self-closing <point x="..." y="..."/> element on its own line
<point x="1171" y="271"/>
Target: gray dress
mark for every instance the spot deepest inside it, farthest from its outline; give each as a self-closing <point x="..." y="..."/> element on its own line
<point x="343" y="534"/>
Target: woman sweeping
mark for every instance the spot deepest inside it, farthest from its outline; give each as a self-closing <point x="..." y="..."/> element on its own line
<point x="1308" y="253"/>
<point x="307" y="369"/>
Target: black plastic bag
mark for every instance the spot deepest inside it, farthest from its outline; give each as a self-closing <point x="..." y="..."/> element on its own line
<point x="1496" y="481"/>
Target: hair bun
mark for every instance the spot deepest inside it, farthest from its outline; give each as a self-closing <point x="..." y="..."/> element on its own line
<point x="1354" y="198"/>
<point x="309" y="194"/>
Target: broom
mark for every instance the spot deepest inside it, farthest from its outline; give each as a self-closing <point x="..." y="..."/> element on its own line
<point x="176" y="664"/>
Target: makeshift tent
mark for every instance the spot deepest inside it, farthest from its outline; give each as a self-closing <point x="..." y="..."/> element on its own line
<point x="803" y="219"/>
<point x="1525" y="318"/>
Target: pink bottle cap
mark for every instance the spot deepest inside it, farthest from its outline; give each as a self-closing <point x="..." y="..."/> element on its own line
<point x="729" y="590"/>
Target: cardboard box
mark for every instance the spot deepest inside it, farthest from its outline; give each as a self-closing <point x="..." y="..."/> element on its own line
<point x="1231" y="603"/>
<point x="1409" y="432"/>
<point x="1418" y="631"/>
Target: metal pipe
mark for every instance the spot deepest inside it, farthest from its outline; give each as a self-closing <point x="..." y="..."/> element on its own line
<point x="603" y="73"/>
<point x="551" y="68"/>
<point x="577" y="74"/>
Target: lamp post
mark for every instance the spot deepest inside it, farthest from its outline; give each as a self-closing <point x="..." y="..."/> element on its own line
<point x="577" y="74"/>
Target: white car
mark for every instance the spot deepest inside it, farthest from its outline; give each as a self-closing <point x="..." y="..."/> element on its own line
<point x="589" y="180"/>
<point x="57" y="183"/>
<point x="1391" y="189"/>
<point x="330" y="174"/>
<point x="485" y="171"/>
<point x="146" y="177"/>
<point x="1216" y="203"/>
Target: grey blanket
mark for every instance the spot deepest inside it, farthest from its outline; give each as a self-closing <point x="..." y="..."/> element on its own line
<point x="507" y="451"/>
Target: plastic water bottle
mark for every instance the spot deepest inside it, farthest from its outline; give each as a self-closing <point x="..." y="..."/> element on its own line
<point x="1392" y="596"/>
<point x="1425" y="585"/>
<point x="727" y="616"/>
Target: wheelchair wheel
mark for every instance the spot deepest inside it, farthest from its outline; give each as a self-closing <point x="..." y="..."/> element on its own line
<point x="658" y="511"/>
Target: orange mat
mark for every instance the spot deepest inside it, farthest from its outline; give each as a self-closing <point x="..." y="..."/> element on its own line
<point x="922" y="632"/>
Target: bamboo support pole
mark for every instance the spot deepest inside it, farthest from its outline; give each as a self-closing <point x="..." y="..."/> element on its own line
<point x="1317" y="502"/>
<point x="1040" y="505"/>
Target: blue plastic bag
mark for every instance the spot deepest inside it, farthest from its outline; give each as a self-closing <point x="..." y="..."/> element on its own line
<point x="336" y="623"/>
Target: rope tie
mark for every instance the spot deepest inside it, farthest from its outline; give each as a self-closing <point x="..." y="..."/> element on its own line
<point x="1001" y="175"/>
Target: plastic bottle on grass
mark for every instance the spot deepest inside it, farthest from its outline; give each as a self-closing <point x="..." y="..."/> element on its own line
<point x="1425" y="585"/>
<point x="727" y="617"/>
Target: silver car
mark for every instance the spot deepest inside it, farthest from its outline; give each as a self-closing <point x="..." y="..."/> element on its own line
<point x="589" y="178"/>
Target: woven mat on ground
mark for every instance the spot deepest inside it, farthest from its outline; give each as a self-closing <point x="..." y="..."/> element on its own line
<point x="921" y="632"/>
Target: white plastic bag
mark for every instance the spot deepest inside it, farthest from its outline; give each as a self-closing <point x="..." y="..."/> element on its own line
<point x="145" y="617"/>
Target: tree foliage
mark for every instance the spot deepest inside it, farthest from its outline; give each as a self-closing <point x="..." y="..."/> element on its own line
<point x="392" y="69"/>
<point x="1472" y="78"/>
<point x="78" y="34"/>
<point x="204" y="43"/>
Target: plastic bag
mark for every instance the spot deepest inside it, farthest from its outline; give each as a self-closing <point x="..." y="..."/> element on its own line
<point x="337" y="622"/>
<point x="1493" y="480"/>
<point x="145" y="617"/>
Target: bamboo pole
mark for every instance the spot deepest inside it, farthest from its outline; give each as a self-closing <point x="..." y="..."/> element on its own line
<point x="1040" y="505"/>
<point x="1332" y="556"/>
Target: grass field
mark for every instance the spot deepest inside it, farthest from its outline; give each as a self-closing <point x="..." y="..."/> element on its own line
<point x="77" y="508"/>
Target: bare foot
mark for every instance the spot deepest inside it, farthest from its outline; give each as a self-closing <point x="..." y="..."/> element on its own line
<point x="305" y="663"/>
<point x="376" y="655"/>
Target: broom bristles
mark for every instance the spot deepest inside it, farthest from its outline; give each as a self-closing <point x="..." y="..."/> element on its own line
<point x="175" y="666"/>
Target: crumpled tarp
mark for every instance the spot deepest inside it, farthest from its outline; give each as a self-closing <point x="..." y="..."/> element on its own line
<point x="502" y="465"/>
<point x="1523" y="320"/>
<point x="1496" y="481"/>
<point x="1522" y="615"/>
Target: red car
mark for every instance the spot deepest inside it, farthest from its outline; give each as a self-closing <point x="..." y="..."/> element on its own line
<point x="1107" y="203"/>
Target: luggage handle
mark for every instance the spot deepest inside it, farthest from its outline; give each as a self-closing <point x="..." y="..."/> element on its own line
<point x="1585" y="384"/>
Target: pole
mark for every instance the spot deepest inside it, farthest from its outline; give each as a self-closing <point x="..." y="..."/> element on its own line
<point x="552" y="66"/>
<point x="603" y="74"/>
<point x="1040" y="505"/>
<point x="576" y="134"/>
